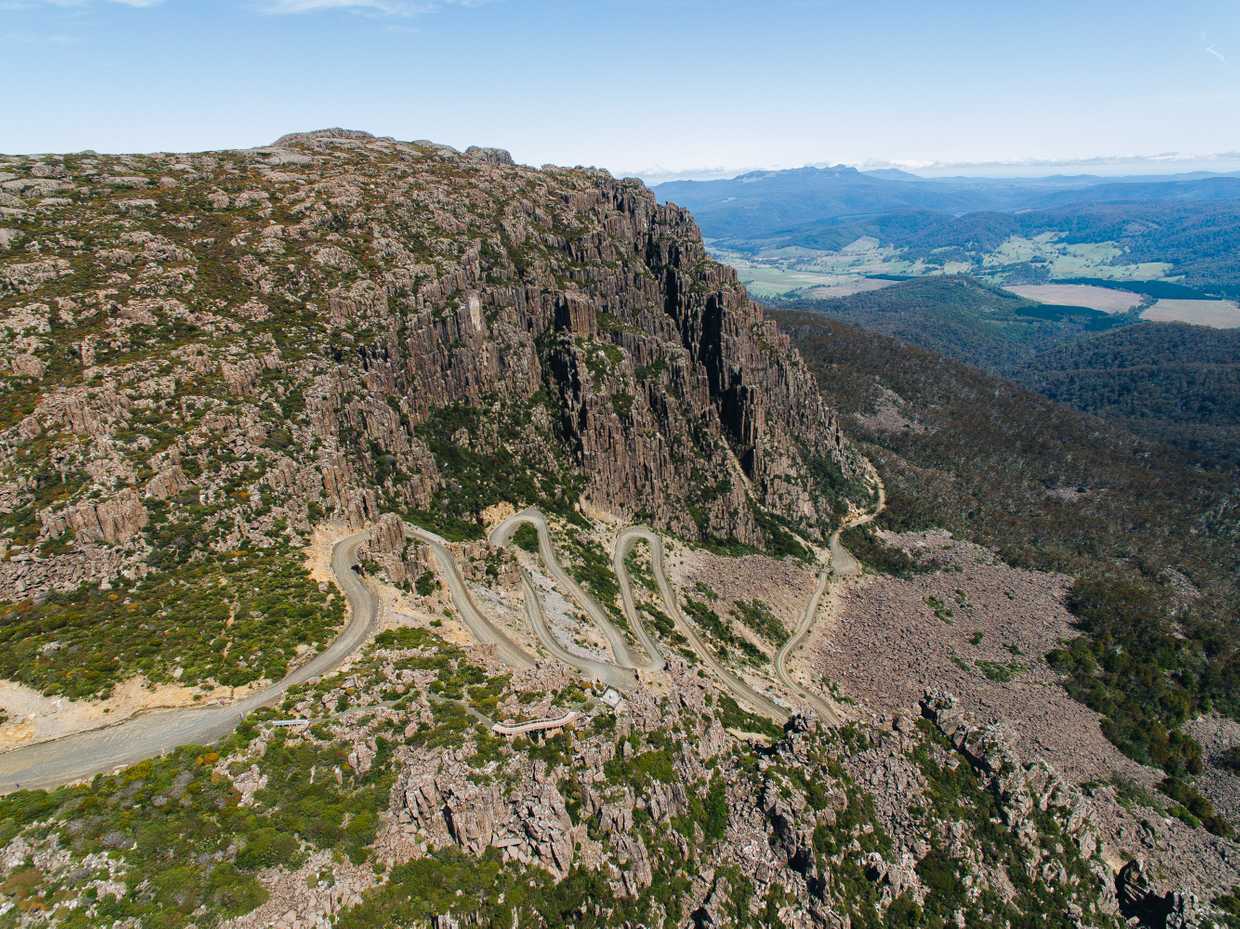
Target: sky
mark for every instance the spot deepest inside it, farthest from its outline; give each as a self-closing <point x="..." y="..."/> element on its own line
<point x="658" y="89"/>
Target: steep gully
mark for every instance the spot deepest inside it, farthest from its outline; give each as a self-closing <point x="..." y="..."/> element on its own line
<point x="75" y="757"/>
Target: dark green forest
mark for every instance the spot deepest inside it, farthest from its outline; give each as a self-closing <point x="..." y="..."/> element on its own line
<point x="1171" y="382"/>
<point x="964" y="318"/>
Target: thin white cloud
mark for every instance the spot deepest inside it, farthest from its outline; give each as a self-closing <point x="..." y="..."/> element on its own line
<point x="72" y="4"/>
<point x="658" y="174"/>
<point x="387" y="7"/>
<point x="373" y="7"/>
<point x="1216" y="53"/>
<point x="1173" y="159"/>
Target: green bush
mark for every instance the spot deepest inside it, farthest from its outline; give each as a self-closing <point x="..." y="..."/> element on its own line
<point x="732" y="716"/>
<point x="526" y="537"/>
<point x="870" y="550"/>
<point x="710" y="621"/>
<point x="1199" y="808"/>
<point x="1000" y="672"/>
<point x="426" y="584"/>
<point x="757" y="616"/>
<point x="266" y="848"/>
<point x="232" y="618"/>
<point x="507" y="458"/>
<point x="1144" y="678"/>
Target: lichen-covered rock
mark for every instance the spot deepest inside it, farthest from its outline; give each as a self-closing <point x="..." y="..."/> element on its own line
<point x="529" y="825"/>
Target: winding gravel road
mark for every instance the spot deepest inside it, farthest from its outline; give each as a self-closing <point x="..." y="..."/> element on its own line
<point x="620" y="675"/>
<point x="501" y="535"/>
<point x="623" y="679"/>
<point x="738" y="688"/>
<point x="485" y="631"/>
<point x="624" y="544"/>
<point x="78" y="756"/>
<point x="842" y="565"/>
<point x="826" y="709"/>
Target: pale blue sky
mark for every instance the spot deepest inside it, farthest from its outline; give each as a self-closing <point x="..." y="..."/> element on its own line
<point x="633" y="86"/>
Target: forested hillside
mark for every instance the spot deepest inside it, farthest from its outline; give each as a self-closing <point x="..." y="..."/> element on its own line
<point x="1172" y="382"/>
<point x="963" y="318"/>
<point x="1154" y="546"/>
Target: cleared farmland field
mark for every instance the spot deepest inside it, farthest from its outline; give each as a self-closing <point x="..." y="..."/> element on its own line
<point x="845" y="289"/>
<point x="766" y="281"/>
<point x="1096" y="298"/>
<point x="1218" y="314"/>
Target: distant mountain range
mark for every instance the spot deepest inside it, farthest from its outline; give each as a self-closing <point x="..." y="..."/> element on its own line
<point x="1186" y="226"/>
<point x="768" y="201"/>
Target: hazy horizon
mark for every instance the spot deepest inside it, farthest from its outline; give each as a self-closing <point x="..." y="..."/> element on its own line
<point x="1102" y="166"/>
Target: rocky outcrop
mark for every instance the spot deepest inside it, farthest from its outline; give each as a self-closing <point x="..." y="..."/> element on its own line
<point x="27" y="366"/>
<point x="85" y="411"/>
<point x="23" y="576"/>
<point x="167" y="483"/>
<point x="362" y="302"/>
<point x="29" y="276"/>
<point x="1140" y="902"/>
<point x="602" y="349"/>
<point x="317" y="135"/>
<point x="673" y="392"/>
<point x="530" y="825"/>
<point x="400" y="559"/>
<point x="115" y="520"/>
<point x="493" y="156"/>
<point x="1021" y="790"/>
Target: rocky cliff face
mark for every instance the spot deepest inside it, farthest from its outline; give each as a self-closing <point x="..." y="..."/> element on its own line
<point x="290" y="332"/>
